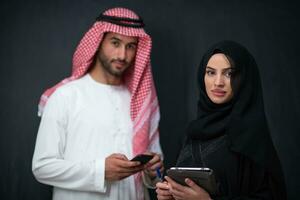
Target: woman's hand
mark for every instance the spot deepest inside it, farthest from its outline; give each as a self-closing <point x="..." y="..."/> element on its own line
<point x="190" y="192"/>
<point x="162" y="190"/>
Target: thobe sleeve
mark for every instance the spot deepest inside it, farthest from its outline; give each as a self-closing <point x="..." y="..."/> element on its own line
<point x="48" y="164"/>
<point x="150" y="182"/>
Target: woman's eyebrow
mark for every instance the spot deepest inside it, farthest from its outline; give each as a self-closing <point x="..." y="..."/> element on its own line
<point x="210" y="68"/>
<point x="228" y="68"/>
<point x="224" y="69"/>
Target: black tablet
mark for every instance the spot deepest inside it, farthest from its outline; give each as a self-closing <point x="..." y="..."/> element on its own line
<point x="204" y="177"/>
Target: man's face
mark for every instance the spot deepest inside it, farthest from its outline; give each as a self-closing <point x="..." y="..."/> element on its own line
<point x="117" y="53"/>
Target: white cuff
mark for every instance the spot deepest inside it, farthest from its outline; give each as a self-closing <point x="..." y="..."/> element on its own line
<point x="148" y="182"/>
<point x="100" y="183"/>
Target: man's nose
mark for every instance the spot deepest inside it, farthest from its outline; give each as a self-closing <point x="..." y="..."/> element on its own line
<point x="122" y="53"/>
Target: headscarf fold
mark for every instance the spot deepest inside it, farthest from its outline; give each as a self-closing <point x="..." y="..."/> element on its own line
<point x="144" y="108"/>
<point x="243" y="117"/>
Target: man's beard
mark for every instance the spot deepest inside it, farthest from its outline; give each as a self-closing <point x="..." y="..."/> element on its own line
<point x="107" y="65"/>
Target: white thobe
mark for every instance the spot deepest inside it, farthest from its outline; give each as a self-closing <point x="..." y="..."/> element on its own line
<point x="84" y="122"/>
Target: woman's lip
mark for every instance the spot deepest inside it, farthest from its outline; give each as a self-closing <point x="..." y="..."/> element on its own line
<point x="219" y="93"/>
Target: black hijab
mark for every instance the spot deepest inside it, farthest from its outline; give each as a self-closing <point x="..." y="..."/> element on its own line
<point x="243" y="117"/>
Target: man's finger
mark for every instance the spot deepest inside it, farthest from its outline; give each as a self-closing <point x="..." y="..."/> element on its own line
<point x="119" y="156"/>
<point x="129" y="164"/>
<point x="155" y="166"/>
<point x="155" y="159"/>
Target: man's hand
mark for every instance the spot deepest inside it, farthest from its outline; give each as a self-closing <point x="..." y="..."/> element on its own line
<point x="117" y="167"/>
<point x="153" y="164"/>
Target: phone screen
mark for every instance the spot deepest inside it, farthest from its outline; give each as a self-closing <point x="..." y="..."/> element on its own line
<point x="143" y="158"/>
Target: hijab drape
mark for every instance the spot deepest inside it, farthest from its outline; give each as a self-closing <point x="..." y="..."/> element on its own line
<point x="243" y="117"/>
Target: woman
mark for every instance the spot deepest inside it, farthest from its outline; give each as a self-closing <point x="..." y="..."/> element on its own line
<point x="230" y="134"/>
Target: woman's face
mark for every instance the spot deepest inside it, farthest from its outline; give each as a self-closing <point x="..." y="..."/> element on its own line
<point x="217" y="79"/>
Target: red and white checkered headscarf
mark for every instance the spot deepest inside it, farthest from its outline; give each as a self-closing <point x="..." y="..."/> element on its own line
<point x="144" y="104"/>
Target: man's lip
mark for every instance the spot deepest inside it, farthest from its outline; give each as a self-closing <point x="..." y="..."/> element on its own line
<point x="119" y="64"/>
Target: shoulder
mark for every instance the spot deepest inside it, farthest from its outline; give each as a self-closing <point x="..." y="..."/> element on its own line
<point x="66" y="93"/>
<point x="64" y="97"/>
<point x="70" y="89"/>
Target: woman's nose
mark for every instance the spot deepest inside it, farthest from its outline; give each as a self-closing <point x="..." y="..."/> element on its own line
<point x="219" y="80"/>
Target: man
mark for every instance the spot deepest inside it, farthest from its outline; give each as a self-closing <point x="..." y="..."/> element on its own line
<point x="107" y="112"/>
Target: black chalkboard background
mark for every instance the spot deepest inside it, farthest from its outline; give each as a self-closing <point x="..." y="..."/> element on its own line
<point x="38" y="39"/>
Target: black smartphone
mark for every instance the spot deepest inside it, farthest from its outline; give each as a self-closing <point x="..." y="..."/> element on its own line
<point x="143" y="158"/>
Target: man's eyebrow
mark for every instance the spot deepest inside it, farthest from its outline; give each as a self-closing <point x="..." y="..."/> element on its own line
<point x="118" y="39"/>
<point x="133" y="43"/>
<point x="115" y="38"/>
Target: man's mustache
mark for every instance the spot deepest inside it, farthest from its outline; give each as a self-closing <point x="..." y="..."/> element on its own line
<point x="119" y="60"/>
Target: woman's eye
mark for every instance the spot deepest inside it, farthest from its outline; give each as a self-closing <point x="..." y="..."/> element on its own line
<point x="210" y="73"/>
<point x="228" y="74"/>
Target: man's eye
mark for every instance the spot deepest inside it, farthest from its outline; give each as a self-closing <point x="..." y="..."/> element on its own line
<point x="131" y="46"/>
<point x="115" y="43"/>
